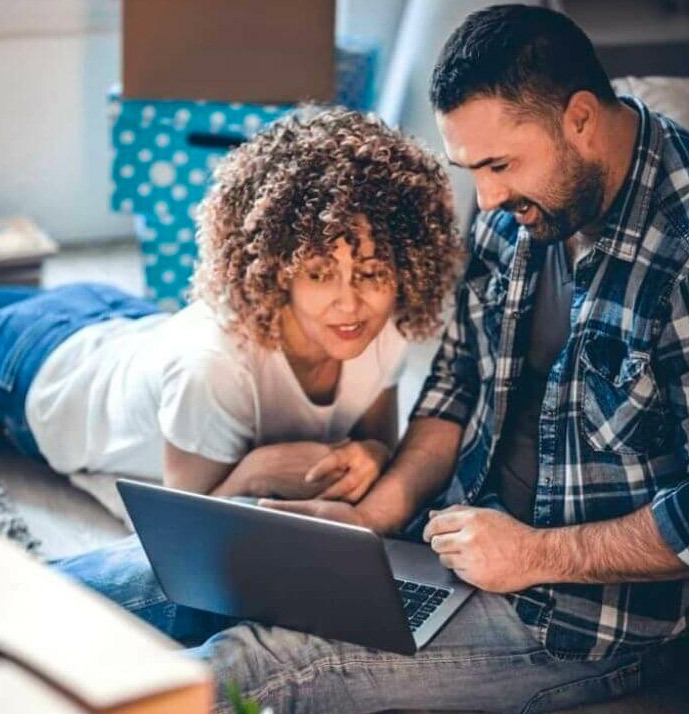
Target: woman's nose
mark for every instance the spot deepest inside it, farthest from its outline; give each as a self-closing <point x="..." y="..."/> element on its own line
<point x="347" y="297"/>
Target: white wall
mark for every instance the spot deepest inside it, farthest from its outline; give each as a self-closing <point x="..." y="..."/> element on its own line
<point x="57" y="60"/>
<point x="412" y="33"/>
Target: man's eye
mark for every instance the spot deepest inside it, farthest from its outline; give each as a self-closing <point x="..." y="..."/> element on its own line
<point x="498" y="168"/>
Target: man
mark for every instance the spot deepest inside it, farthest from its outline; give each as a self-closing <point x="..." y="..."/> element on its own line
<point x="560" y="393"/>
<point x="546" y="461"/>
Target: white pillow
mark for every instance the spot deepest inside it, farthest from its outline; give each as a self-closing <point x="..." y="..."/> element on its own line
<point x="666" y="95"/>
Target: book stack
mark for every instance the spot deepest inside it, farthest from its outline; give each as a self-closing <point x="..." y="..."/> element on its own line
<point x="23" y="247"/>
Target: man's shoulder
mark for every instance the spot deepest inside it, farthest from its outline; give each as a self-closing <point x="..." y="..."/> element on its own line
<point x="493" y="238"/>
<point x="672" y="186"/>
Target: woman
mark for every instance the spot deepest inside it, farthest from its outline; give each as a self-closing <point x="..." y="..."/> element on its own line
<point x="320" y="242"/>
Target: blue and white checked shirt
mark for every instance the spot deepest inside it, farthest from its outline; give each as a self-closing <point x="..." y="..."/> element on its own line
<point x="614" y="426"/>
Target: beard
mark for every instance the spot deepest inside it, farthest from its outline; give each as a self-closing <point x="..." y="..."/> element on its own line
<point x="574" y="201"/>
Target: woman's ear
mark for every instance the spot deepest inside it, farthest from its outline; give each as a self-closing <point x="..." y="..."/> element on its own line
<point x="580" y="120"/>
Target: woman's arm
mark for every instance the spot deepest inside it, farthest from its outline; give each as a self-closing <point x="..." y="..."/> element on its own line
<point x="354" y="466"/>
<point x="280" y="469"/>
<point x="192" y="472"/>
<point x="275" y="470"/>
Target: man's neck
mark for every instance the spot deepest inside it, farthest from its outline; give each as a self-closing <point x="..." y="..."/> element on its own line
<point x="621" y="128"/>
<point x="619" y="138"/>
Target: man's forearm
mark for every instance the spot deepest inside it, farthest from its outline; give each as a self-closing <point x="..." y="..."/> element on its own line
<point x="623" y="549"/>
<point x="422" y="464"/>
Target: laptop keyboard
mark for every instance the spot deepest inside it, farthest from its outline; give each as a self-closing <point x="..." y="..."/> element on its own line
<point x="420" y="601"/>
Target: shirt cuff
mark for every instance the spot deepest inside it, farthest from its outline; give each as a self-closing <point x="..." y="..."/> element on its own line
<point x="671" y="512"/>
<point x="436" y="403"/>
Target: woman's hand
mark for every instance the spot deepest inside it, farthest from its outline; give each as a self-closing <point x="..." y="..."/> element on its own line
<point x="277" y="470"/>
<point x="318" y="508"/>
<point x="349" y="470"/>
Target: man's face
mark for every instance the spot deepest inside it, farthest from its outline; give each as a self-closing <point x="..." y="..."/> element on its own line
<point x="525" y="167"/>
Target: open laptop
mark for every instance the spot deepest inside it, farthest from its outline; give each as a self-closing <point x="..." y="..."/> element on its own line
<point x="330" y="579"/>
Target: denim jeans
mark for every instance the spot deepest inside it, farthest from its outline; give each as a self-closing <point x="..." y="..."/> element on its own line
<point x="484" y="659"/>
<point x="33" y="323"/>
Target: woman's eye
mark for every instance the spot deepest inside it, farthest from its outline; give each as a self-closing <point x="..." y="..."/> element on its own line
<point x="498" y="168"/>
<point x="318" y="276"/>
<point x="374" y="274"/>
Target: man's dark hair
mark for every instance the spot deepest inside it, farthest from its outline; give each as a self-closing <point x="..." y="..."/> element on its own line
<point x="532" y="57"/>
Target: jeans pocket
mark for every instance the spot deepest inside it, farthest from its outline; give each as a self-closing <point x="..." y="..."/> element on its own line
<point x="625" y="679"/>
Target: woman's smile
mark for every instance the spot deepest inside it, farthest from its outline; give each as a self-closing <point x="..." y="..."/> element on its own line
<point x="349" y="331"/>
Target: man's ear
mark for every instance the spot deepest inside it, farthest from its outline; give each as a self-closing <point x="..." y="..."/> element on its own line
<point x="581" y="118"/>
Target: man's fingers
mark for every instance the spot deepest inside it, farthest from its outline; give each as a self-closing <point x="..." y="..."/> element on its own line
<point x="449" y="543"/>
<point x="448" y="521"/>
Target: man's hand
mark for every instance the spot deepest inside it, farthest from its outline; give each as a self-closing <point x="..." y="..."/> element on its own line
<point x="318" y="508"/>
<point x="355" y="466"/>
<point x="484" y="547"/>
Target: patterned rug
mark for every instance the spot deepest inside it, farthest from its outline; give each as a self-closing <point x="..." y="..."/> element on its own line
<point x="14" y="527"/>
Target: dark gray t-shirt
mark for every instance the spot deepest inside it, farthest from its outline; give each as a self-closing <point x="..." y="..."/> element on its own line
<point x="515" y="469"/>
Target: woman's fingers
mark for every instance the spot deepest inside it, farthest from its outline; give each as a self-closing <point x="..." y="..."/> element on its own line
<point x="322" y="468"/>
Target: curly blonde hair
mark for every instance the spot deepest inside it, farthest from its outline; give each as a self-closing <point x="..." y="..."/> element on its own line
<point x="293" y="190"/>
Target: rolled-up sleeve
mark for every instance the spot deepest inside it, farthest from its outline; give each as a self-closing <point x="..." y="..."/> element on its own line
<point x="670" y="509"/>
<point x="671" y="503"/>
<point x="451" y="389"/>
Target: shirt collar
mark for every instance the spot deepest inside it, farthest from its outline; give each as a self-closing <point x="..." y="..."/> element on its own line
<point x="627" y="217"/>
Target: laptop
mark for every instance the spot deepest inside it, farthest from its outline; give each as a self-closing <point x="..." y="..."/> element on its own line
<point x="330" y="579"/>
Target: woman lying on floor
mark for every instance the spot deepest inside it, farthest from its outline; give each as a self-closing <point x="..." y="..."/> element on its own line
<point x="323" y="241"/>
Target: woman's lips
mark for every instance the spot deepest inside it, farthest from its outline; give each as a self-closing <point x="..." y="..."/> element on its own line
<point x="348" y="331"/>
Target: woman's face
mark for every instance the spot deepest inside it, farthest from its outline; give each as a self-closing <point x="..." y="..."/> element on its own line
<point x="339" y="303"/>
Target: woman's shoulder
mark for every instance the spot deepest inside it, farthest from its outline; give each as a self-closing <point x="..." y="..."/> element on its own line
<point x="199" y="335"/>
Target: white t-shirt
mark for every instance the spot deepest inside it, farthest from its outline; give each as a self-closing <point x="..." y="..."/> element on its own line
<point x="107" y="397"/>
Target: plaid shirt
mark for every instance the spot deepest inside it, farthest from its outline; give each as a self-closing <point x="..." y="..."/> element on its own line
<point x="614" y="425"/>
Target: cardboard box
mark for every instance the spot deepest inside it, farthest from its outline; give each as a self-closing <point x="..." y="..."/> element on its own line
<point x="66" y="650"/>
<point x="253" y="51"/>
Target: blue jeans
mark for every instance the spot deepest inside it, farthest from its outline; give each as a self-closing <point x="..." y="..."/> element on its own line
<point x="484" y="659"/>
<point x="33" y="322"/>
